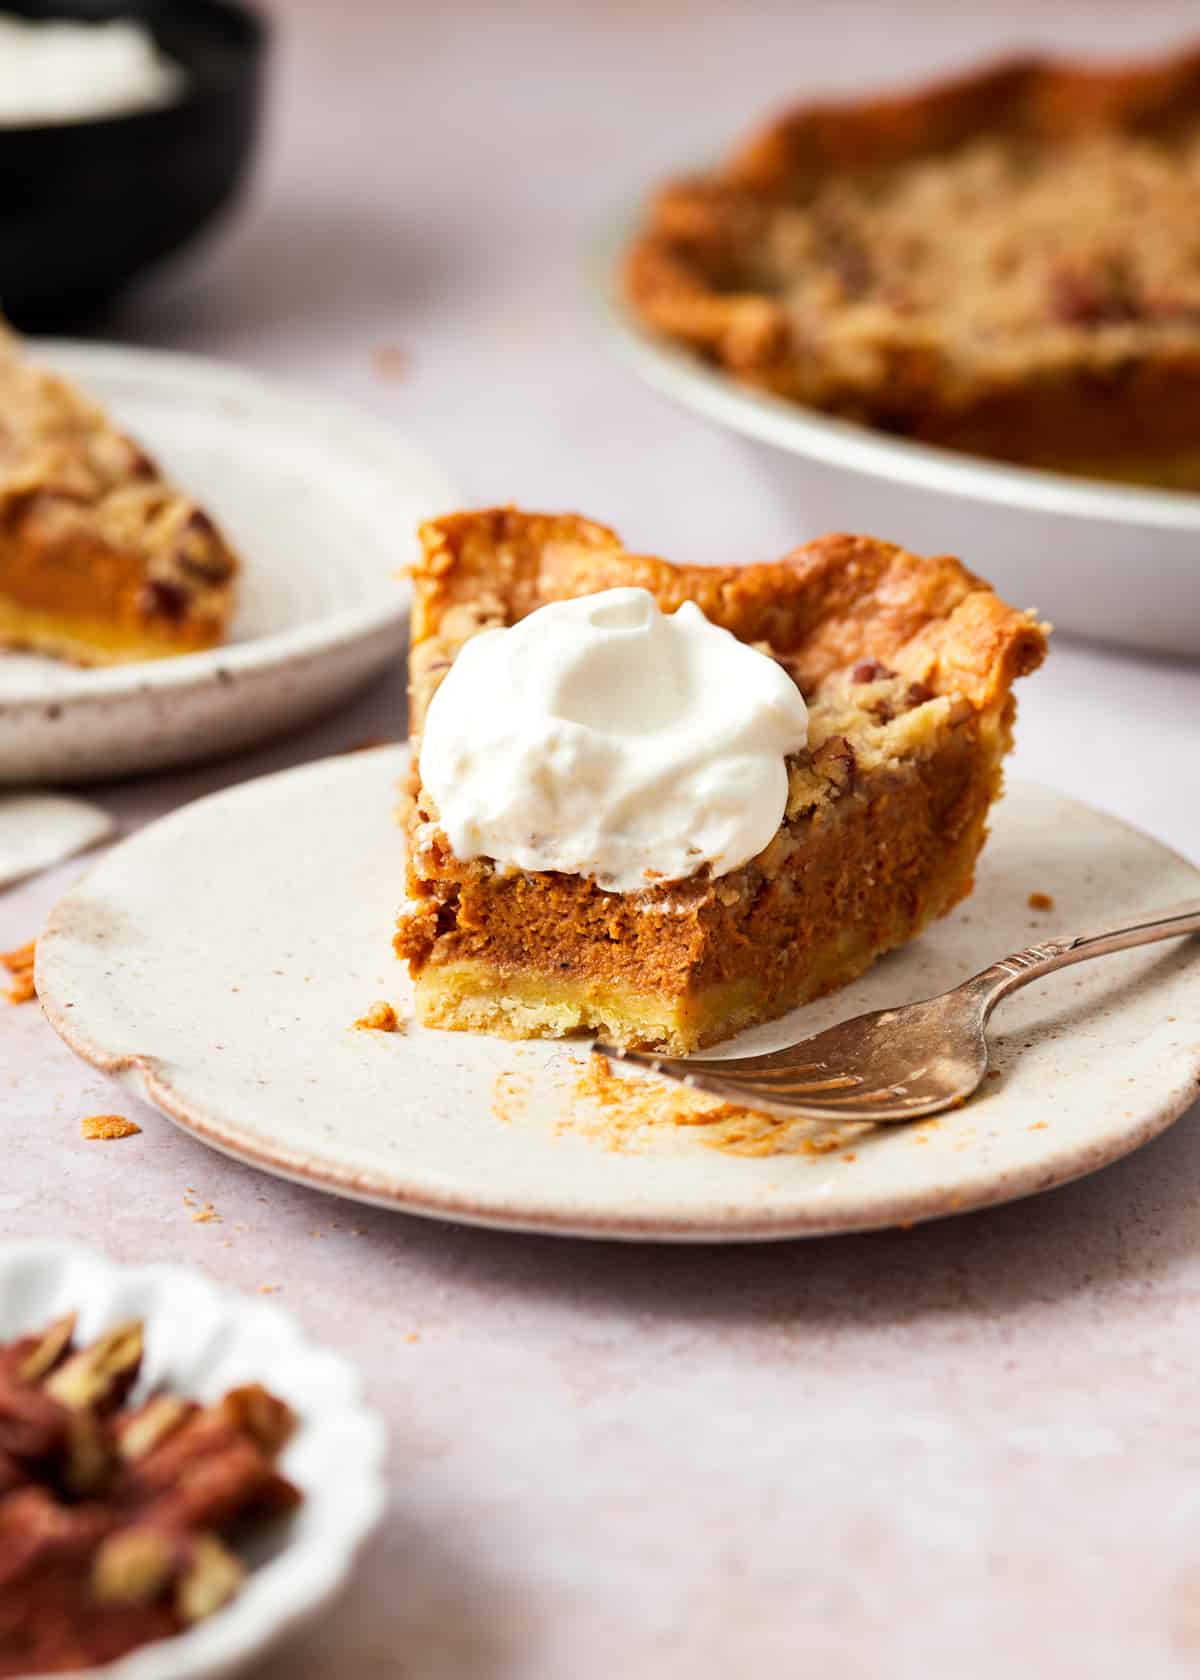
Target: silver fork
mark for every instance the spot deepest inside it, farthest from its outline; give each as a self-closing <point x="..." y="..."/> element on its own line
<point x="901" y="1064"/>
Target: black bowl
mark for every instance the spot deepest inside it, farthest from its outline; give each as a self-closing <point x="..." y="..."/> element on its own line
<point x="86" y="206"/>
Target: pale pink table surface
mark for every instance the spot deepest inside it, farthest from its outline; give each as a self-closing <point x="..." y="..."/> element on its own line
<point x="969" y="1449"/>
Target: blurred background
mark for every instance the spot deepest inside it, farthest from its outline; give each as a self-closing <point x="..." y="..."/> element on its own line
<point x="424" y="197"/>
<point x="431" y="183"/>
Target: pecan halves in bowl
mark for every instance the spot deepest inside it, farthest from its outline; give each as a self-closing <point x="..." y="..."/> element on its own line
<point x="116" y="1518"/>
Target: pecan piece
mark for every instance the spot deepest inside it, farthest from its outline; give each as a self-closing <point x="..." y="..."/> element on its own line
<point x="132" y="1566"/>
<point x="849" y="260"/>
<point x="101" y="1374"/>
<point x="210" y="1579"/>
<point x="210" y="1490"/>
<point x="84" y="1580"/>
<point x="1098" y="296"/>
<point x="140" y="1431"/>
<point x="35" y="1356"/>
<point x="253" y="1411"/>
<point x="140" y="465"/>
<point x="38" y="1431"/>
<point x="136" y="1565"/>
<point x="836" y="762"/>
<point x="200" y="553"/>
<point x="160" y="599"/>
<point x="36" y="1531"/>
<point x="90" y="1457"/>
<point x="32" y="1425"/>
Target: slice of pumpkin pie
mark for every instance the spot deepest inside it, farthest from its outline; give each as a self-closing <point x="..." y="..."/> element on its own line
<point x="102" y="560"/>
<point x="663" y="803"/>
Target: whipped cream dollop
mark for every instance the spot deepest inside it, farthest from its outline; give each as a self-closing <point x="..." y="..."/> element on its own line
<point x="602" y="737"/>
<point x="54" y="70"/>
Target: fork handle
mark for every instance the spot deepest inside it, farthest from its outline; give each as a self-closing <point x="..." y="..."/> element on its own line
<point x="1049" y="955"/>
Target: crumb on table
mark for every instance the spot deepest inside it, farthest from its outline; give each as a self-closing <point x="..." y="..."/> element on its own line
<point x="381" y="1017"/>
<point x="205" y="1215"/>
<point x="19" y="964"/>
<point x="108" y="1126"/>
<point x="1040" y="901"/>
<point x="390" y="361"/>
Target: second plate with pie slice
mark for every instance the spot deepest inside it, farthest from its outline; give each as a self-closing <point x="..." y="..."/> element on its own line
<point x="321" y="504"/>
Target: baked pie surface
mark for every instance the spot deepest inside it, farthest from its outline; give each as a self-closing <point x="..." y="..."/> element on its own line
<point x="907" y="665"/>
<point x="102" y="560"/>
<point x="1005" y="264"/>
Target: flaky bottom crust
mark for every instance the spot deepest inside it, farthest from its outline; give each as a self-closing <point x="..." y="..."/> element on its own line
<point x="475" y="997"/>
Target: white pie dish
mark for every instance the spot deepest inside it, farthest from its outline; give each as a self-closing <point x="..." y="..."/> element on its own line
<point x="323" y="505"/>
<point x="202" y="1340"/>
<point x="1116" y="563"/>
<point x="265" y="1062"/>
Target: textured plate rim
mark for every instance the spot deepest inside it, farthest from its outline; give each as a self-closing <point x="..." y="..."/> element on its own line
<point x="676" y="373"/>
<point x="524" y="1212"/>
<point x="369" y="438"/>
<point x="306" y="1574"/>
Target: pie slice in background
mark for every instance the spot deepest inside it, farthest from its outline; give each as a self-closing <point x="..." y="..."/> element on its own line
<point x="102" y="560"/>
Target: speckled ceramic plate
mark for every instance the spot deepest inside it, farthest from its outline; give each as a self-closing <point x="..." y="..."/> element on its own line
<point x="322" y="504"/>
<point x="216" y="963"/>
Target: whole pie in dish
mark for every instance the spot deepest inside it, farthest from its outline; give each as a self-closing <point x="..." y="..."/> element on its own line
<point x="906" y="665"/>
<point x="1005" y="264"/>
<point x="102" y="561"/>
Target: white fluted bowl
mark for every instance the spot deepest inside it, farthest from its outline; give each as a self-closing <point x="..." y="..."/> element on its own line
<point x="201" y="1341"/>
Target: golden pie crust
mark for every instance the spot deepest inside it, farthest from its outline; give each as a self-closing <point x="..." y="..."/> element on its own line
<point x="102" y="561"/>
<point x="907" y="665"/>
<point x="1006" y="264"/>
